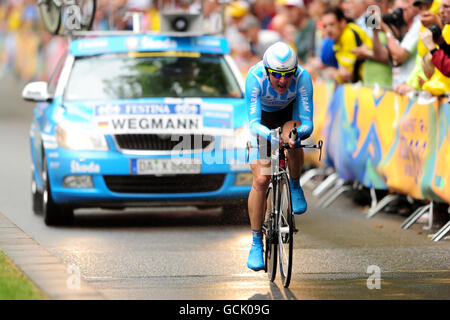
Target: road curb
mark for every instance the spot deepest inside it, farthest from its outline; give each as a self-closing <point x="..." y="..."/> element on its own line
<point x="45" y="270"/>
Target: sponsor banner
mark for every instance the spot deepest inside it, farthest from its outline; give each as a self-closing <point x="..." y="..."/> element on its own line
<point x="150" y="42"/>
<point x="410" y="162"/>
<point x="165" y="117"/>
<point x="440" y="178"/>
<point x="353" y="144"/>
<point x="384" y="140"/>
<point x="323" y="92"/>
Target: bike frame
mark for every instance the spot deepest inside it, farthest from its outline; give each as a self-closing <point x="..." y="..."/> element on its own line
<point x="278" y="167"/>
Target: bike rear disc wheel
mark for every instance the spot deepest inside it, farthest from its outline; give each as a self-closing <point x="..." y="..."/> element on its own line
<point x="285" y="231"/>
<point x="270" y="252"/>
<point x="51" y="15"/>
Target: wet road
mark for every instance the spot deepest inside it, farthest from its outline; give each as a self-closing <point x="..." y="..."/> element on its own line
<point x="172" y="254"/>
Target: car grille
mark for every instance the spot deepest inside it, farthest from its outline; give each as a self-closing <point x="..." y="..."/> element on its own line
<point x="155" y="142"/>
<point x="183" y="183"/>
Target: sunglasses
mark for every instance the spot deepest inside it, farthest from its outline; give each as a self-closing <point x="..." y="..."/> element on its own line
<point x="285" y="74"/>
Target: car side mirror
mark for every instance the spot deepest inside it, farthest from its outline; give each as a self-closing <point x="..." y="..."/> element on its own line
<point x="36" y="91"/>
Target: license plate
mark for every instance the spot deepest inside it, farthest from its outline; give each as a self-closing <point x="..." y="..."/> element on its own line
<point x="165" y="166"/>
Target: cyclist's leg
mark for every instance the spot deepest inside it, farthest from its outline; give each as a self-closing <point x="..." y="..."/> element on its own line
<point x="261" y="180"/>
<point x="295" y="164"/>
<point x="256" y="210"/>
<point x="257" y="197"/>
<point x="260" y="167"/>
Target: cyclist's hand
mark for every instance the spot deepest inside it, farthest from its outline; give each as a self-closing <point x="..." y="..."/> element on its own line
<point x="304" y="131"/>
<point x="294" y="138"/>
<point x="300" y="133"/>
<point x="295" y="143"/>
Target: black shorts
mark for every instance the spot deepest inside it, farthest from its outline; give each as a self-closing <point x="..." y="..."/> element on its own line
<point x="273" y="120"/>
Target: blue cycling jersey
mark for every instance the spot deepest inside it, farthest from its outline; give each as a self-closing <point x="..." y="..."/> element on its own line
<point x="260" y="95"/>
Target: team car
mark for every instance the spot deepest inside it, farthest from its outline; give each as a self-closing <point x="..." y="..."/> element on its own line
<point x="139" y="120"/>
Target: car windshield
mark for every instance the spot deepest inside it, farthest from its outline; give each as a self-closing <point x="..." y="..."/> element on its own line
<point x="151" y="74"/>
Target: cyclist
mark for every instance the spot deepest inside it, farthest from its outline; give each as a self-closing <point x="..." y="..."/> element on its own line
<point x="278" y="93"/>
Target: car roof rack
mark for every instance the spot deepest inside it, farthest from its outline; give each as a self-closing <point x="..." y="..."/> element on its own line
<point x="101" y="33"/>
<point x="190" y="24"/>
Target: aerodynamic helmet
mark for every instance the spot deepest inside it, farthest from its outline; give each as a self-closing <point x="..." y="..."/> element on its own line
<point x="280" y="57"/>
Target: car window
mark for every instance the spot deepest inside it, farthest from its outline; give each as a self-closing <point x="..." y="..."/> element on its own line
<point x="151" y="74"/>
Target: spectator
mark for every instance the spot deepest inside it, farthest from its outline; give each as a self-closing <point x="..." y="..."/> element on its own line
<point x="428" y="16"/>
<point x="138" y="5"/>
<point x="258" y="39"/>
<point x="401" y="42"/>
<point x="325" y="65"/>
<point x="440" y="56"/>
<point x="377" y="68"/>
<point x="328" y="55"/>
<point x="429" y="11"/>
<point x="316" y="8"/>
<point x="321" y="60"/>
<point x="118" y="10"/>
<point x="427" y="65"/>
<point x="305" y="37"/>
<point x="356" y="10"/>
<point x="347" y="36"/>
<point x="293" y="9"/>
<point x="240" y="48"/>
<point x="102" y="20"/>
<point x="14" y="15"/>
<point x="280" y="23"/>
<point x="212" y="17"/>
<point x="297" y="16"/>
<point x="30" y="12"/>
<point x="235" y="12"/>
<point x="264" y="10"/>
<point x="27" y="47"/>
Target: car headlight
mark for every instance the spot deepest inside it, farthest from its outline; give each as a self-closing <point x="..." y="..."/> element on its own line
<point x="73" y="137"/>
<point x="238" y="140"/>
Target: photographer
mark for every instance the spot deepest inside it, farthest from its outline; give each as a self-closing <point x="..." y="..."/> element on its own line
<point x="433" y="36"/>
<point x="402" y="28"/>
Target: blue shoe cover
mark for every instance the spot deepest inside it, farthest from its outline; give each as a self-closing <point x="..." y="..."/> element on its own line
<point x="299" y="204"/>
<point x="255" y="258"/>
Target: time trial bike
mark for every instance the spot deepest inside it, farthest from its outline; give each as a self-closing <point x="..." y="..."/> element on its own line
<point x="279" y="223"/>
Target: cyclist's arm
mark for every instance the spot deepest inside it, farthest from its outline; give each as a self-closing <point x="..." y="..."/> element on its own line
<point x="253" y="101"/>
<point x="303" y="108"/>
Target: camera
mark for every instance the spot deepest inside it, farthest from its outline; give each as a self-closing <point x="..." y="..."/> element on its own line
<point x="436" y="31"/>
<point x="395" y="18"/>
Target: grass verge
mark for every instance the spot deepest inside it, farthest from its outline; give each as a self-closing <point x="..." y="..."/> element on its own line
<point x="14" y="285"/>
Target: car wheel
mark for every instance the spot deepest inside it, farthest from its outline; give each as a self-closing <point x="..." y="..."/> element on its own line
<point x="36" y="196"/>
<point x="54" y="214"/>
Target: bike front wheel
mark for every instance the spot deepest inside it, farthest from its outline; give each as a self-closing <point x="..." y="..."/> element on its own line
<point x="51" y="15"/>
<point x="270" y="252"/>
<point x="285" y="231"/>
<point x="87" y="8"/>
